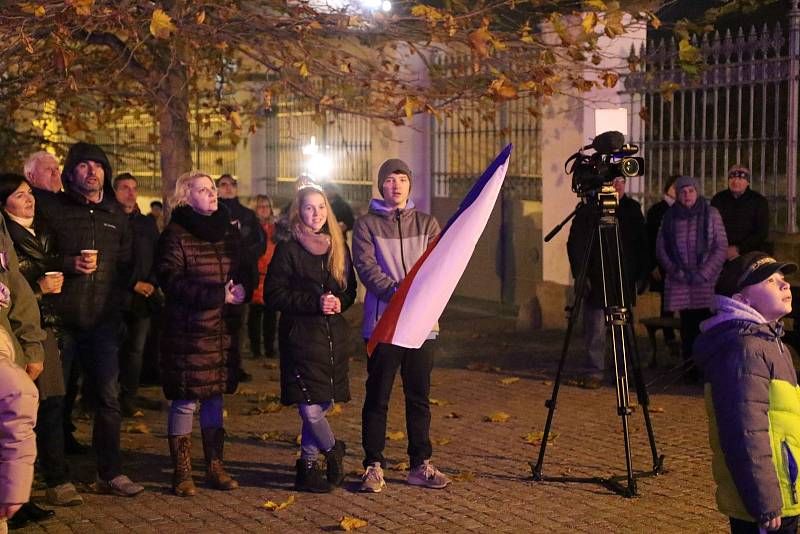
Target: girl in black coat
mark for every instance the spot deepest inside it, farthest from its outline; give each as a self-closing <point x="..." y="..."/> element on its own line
<point x="311" y="282"/>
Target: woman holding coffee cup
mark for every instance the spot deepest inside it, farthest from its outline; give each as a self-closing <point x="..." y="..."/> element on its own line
<point x="311" y="281"/>
<point x="40" y="264"/>
<point x="199" y="269"/>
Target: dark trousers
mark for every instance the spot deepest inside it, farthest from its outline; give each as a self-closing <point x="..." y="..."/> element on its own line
<point x="690" y="328"/>
<point x="96" y="350"/>
<point x="415" y="369"/>
<point x="50" y="440"/>
<point x="261" y="330"/>
<point x="669" y="333"/>
<point x="738" y="526"/>
<point x="131" y="354"/>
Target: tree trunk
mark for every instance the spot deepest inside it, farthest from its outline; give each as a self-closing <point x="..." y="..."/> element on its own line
<point x="174" y="132"/>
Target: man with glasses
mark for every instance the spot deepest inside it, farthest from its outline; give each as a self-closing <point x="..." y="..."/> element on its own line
<point x="745" y="214"/>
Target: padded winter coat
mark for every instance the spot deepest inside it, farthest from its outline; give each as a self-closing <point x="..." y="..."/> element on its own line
<point x="753" y="405"/>
<point x="314" y="364"/>
<point x="199" y="346"/>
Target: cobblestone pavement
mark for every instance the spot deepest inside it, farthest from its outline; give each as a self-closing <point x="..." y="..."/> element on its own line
<point x="492" y="490"/>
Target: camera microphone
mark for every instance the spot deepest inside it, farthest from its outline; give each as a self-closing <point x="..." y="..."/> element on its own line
<point x="607" y="142"/>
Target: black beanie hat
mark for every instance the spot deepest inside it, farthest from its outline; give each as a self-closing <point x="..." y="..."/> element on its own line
<point x="392" y="166"/>
<point x="81" y="151"/>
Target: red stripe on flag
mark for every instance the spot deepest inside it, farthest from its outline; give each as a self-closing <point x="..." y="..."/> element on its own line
<point x="387" y="325"/>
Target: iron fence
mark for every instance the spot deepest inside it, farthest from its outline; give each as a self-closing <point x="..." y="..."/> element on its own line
<point x="741" y="108"/>
<point x="463" y="143"/>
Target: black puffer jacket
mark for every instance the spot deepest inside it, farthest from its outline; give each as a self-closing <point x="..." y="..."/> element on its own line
<point x="37" y="255"/>
<point x="197" y="255"/>
<point x="254" y="240"/>
<point x="145" y="237"/>
<point x="314" y="364"/>
<point x="87" y="299"/>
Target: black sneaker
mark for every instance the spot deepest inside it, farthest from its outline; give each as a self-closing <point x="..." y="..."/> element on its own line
<point x="310" y="477"/>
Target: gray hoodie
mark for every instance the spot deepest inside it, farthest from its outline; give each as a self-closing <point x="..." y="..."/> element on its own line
<point x="386" y="245"/>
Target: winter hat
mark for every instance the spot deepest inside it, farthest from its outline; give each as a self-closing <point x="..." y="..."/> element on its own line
<point x="739" y="171"/>
<point x="81" y="151"/>
<point x="749" y="269"/>
<point x="685" y="181"/>
<point x="392" y="166"/>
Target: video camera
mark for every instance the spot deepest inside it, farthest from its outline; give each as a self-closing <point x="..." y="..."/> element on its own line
<point x="612" y="158"/>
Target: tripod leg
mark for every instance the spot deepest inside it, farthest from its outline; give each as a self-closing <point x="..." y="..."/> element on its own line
<point x="573" y="313"/>
<point x="619" y="329"/>
<point x="644" y="402"/>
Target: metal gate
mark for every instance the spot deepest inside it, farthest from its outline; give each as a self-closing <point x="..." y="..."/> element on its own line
<point x="741" y="108"/>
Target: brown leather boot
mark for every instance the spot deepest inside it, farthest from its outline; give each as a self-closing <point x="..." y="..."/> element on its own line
<point x="180" y="448"/>
<point x="213" y="444"/>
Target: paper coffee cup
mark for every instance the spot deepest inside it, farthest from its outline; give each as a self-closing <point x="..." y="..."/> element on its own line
<point x="55" y="274"/>
<point x="89" y="254"/>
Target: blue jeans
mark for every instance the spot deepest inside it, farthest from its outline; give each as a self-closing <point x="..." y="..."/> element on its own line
<point x="316" y="433"/>
<point x="95" y="350"/>
<point x="181" y="415"/>
<point x="594" y="337"/>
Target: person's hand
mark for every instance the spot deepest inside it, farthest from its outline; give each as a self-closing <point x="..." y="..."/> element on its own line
<point x="81" y="265"/>
<point x="772" y="524"/>
<point x="34" y="369"/>
<point x="5" y="296"/>
<point x="51" y="284"/>
<point x="144" y="289"/>
<point x="329" y="304"/>
<point x="234" y="293"/>
<point x="733" y="251"/>
<point x="7" y="511"/>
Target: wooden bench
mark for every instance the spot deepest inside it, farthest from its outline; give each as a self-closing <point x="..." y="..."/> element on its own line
<point x="653" y="325"/>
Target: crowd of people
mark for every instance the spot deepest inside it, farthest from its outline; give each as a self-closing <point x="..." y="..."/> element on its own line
<point x="91" y="289"/>
<point x="88" y="282"/>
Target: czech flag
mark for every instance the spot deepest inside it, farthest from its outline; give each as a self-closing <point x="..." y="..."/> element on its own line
<point x="423" y="294"/>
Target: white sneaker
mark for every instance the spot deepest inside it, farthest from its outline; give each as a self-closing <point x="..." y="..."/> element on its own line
<point x="372" y="479"/>
<point x="428" y="476"/>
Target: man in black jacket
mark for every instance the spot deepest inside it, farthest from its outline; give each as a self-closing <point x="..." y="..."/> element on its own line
<point x="635" y="262"/>
<point x="140" y="301"/>
<point x="94" y="238"/>
<point x="745" y="214"/>
<point x="254" y="241"/>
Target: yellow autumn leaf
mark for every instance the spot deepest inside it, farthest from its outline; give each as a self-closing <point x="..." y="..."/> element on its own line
<point x="537" y="437"/>
<point x="596" y="4"/>
<point x="270" y="435"/>
<point x="656" y="409"/>
<point x="399" y="466"/>
<point x="510" y="380"/>
<point x="137" y="428"/>
<point x="298" y="439"/>
<point x="201" y="17"/>
<point x="437" y="402"/>
<point x="246" y="392"/>
<point x="224" y="414"/>
<point x="589" y="22"/>
<point x="138" y="413"/>
<point x="408" y="107"/>
<point x="36" y="10"/>
<point x="610" y="79"/>
<point x="272" y="407"/>
<point x="236" y="120"/>
<point x="161" y="25"/>
<point x="453" y="415"/>
<point x="336" y="410"/>
<point x="82" y="7"/>
<point x="348" y="524"/>
<point x="442" y="442"/>
<point x="277" y="507"/>
<point x="463" y="476"/>
<point x="395" y="436"/>
<point x="426" y="12"/>
<point x="302" y="69"/>
<point x="497" y="417"/>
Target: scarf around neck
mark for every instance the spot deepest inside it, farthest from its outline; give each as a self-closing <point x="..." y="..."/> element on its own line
<point x="209" y="228"/>
<point x="676" y="212"/>
<point x="24" y="222"/>
<point x="315" y="243"/>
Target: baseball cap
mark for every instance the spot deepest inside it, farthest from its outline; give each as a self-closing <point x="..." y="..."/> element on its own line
<point x="750" y="269"/>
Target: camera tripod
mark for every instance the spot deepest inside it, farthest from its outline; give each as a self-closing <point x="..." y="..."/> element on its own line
<point x="620" y="319"/>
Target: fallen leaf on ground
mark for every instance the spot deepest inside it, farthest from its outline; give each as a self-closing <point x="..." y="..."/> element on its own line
<point x="336" y="410"/>
<point x="272" y="407"/>
<point x="138" y="413"/>
<point x="224" y="414"/>
<point x="443" y="441"/>
<point x="399" y="466"/>
<point x="547" y="382"/>
<point x="299" y="439"/>
<point x="269" y="397"/>
<point x="395" y="436"/>
<point x="656" y="409"/>
<point x="348" y="524"/>
<point x="437" y="402"/>
<point x="453" y="415"/>
<point x="277" y="507"/>
<point x="463" y="476"/>
<point x="246" y="391"/>
<point x="497" y="417"/>
<point x="510" y="380"/>
<point x="536" y="437"/>
<point x="137" y="428"/>
<point x="271" y="435"/>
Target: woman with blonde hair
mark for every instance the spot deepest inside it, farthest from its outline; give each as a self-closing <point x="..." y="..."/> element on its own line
<point x="311" y="282"/>
<point x="198" y="267"/>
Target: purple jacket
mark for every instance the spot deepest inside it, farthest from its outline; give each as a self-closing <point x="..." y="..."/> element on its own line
<point x="681" y="292"/>
<point x="386" y="245"/>
<point x="19" y="401"/>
